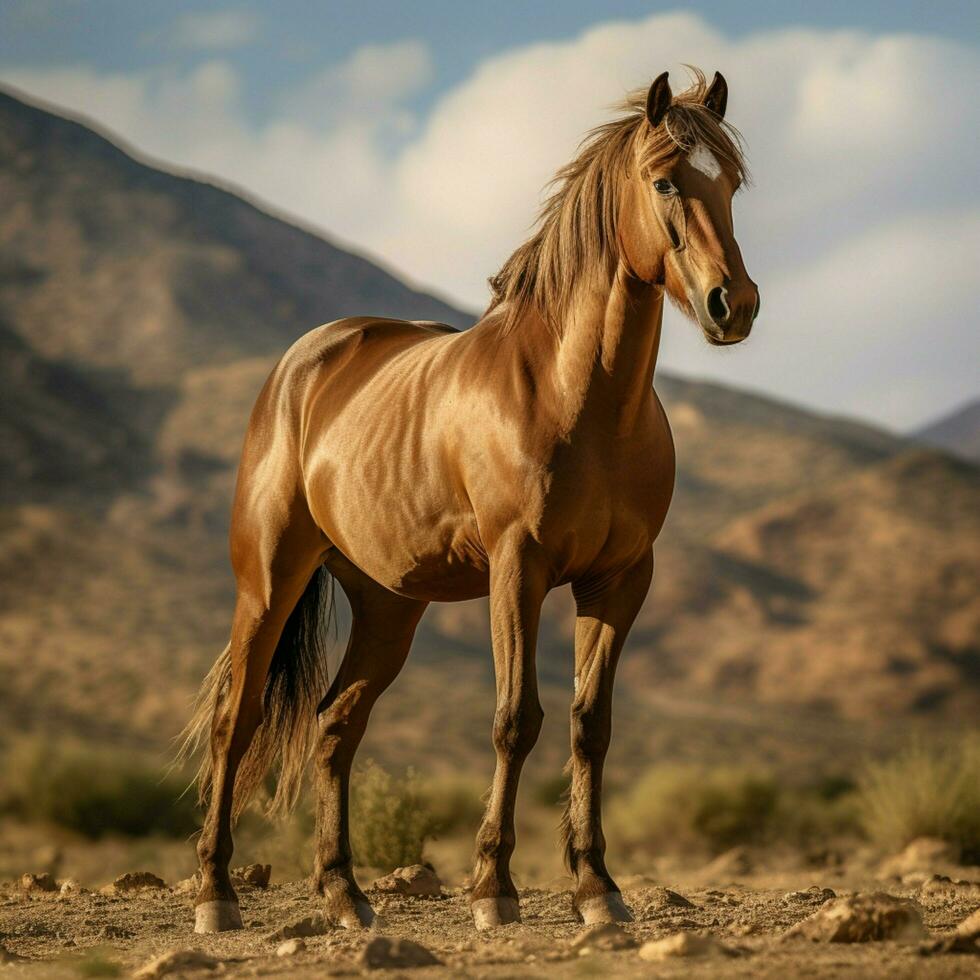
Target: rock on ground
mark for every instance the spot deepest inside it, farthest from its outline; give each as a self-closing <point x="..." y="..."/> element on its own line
<point x="176" y="961"/>
<point x="290" y="947"/>
<point x="312" y="925"/>
<point x="383" y="953"/>
<point x="38" y="883"/>
<point x="922" y="854"/>
<point x="256" y="875"/>
<point x="861" y="919"/>
<point x="416" y="879"/>
<point x="661" y="898"/>
<point x="682" y="944"/>
<point x="810" y="896"/>
<point x="606" y="935"/>
<point x="134" y="881"/>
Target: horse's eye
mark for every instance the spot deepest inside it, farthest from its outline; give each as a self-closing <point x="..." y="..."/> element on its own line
<point x="663" y="186"/>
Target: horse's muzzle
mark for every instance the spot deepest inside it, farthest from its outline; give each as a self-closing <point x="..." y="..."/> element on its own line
<point x="733" y="309"/>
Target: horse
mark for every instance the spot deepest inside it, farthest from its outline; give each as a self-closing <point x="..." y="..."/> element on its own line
<point x="413" y="463"/>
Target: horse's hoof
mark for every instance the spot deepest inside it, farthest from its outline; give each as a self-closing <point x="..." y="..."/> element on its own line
<point x="219" y="916"/>
<point x="491" y="912"/>
<point x="354" y="914"/>
<point x="609" y="907"/>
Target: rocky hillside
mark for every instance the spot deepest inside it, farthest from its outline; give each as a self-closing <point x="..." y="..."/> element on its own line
<point x="811" y="566"/>
<point x="957" y="433"/>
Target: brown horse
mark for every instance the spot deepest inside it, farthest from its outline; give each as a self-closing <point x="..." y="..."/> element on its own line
<point x="412" y="463"/>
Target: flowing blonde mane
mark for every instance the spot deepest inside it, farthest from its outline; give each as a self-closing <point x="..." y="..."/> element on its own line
<point x="576" y="230"/>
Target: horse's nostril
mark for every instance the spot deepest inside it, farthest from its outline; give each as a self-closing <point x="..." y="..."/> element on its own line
<point x="717" y="305"/>
<point x="758" y="306"/>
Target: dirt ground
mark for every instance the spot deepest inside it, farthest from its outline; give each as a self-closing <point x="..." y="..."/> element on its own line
<point x="93" y="934"/>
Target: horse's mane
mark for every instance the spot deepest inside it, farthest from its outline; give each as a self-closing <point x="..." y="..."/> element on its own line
<point x="576" y="230"/>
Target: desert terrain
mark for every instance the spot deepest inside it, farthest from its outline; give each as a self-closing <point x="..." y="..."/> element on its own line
<point x="728" y="919"/>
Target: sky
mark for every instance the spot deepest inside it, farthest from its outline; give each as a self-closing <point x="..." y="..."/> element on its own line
<point x="423" y="134"/>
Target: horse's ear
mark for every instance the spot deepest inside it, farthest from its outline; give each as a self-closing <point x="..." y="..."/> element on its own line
<point x="717" y="98"/>
<point x="658" y="100"/>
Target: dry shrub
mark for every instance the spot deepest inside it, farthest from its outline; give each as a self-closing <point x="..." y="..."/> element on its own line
<point x="455" y="803"/>
<point x="390" y="818"/>
<point x="95" y="791"/>
<point x="924" y="792"/>
<point x="687" y="808"/>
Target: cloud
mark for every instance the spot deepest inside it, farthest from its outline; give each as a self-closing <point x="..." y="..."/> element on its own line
<point x="213" y="30"/>
<point x="858" y="228"/>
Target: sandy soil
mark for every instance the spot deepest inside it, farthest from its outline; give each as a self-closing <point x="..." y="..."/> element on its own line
<point x="92" y="934"/>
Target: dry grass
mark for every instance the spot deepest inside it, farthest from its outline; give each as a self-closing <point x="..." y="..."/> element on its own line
<point x="924" y="792"/>
<point x="391" y="818"/>
<point x="687" y="808"/>
<point x="94" y="791"/>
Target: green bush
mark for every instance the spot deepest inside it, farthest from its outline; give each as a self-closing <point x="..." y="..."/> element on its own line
<point x="924" y="792"/>
<point x="95" y="792"/>
<point x="390" y="818"/>
<point x="682" y="808"/>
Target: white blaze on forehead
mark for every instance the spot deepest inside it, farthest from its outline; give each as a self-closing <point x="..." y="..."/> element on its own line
<point x="701" y="158"/>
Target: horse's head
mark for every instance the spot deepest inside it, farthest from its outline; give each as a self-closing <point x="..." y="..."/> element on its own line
<point x="676" y="221"/>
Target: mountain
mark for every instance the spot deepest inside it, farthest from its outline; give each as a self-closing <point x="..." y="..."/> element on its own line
<point x="813" y="571"/>
<point x="958" y="432"/>
<point x="116" y="264"/>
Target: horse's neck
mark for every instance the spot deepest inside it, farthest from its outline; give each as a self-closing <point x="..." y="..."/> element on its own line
<point x="608" y="351"/>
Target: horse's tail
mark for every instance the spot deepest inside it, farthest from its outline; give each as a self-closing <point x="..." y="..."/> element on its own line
<point x="297" y="681"/>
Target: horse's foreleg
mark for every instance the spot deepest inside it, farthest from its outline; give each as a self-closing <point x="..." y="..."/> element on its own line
<point x="517" y="589"/>
<point x="381" y="635"/>
<point x="606" y="611"/>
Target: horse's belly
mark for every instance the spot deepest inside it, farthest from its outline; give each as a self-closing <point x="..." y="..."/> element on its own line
<point x="416" y="544"/>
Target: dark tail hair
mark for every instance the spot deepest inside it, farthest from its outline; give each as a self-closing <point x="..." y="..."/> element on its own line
<point x="296" y="684"/>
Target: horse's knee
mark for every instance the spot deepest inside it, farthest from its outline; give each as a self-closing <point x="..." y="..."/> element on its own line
<point x="516" y="727"/>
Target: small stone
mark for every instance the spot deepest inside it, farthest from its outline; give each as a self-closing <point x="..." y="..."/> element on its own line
<point x="860" y="919"/>
<point x="661" y="898"/>
<point x="176" y="961"/>
<point x="416" y="879"/>
<point x="70" y="888"/>
<point x="291" y="947"/>
<point x="604" y="935"/>
<point x="38" y="883"/>
<point x="682" y="944"/>
<point x="811" y="896"/>
<point x="188" y="886"/>
<point x="135" y="881"/>
<point x="384" y="953"/>
<point x="313" y="925"/>
<point x="110" y="932"/>
<point x="256" y="875"/>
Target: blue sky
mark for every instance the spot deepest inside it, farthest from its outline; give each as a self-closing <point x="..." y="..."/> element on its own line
<point x="422" y="134"/>
<point x="289" y="38"/>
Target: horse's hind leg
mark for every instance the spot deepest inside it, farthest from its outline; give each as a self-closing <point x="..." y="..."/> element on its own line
<point x="381" y="635"/>
<point x="606" y="611"/>
<point x="273" y="567"/>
